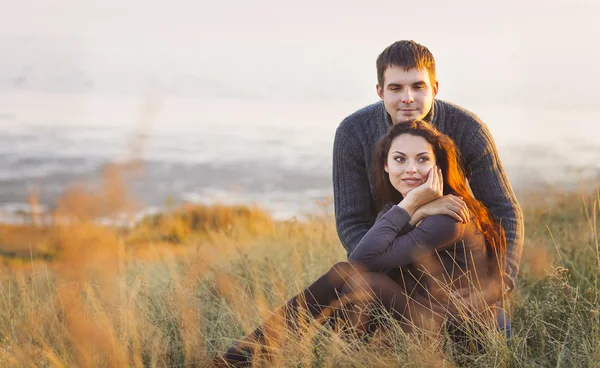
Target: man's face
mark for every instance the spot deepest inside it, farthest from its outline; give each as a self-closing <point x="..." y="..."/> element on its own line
<point x="407" y="95"/>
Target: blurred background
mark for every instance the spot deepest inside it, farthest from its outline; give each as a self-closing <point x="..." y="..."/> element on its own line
<point x="238" y="102"/>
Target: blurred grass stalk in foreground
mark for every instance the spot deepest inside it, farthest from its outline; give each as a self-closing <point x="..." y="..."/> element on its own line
<point x="178" y="287"/>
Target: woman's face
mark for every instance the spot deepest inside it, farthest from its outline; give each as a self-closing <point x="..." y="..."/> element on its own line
<point x="408" y="163"/>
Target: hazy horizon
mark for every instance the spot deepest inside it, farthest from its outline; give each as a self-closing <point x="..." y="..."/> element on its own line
<point x="79" y="81"/>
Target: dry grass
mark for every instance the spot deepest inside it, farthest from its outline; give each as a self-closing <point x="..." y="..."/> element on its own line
<point x="179" y="287"/>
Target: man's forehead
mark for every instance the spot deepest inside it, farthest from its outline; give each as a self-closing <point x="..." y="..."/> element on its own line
<point x="395" y="73"/>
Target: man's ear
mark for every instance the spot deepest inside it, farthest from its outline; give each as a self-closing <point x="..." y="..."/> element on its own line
<point x="435" y="87"/>
<point x="379" y="91"/>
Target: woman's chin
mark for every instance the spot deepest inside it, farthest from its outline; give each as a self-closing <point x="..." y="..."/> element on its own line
<point x="405" y="191"/>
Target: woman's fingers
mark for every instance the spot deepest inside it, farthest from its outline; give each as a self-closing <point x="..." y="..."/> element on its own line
<point x="458" y="207"/>
<point x="440" y="182"/>
<point x="430" y="177"/>
<point x="462" y="209"/>
<point x="432" y="188"/>
<point x="459" y="213"/>
<point x="453" y="214"/>
<point x="436" y="179"/>
<point x="465" y="213"/>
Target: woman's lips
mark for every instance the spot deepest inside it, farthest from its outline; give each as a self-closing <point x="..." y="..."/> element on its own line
<point x="411" y="181"/>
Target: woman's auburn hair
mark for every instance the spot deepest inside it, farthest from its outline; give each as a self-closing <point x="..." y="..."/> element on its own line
<point x="455" y="182"/>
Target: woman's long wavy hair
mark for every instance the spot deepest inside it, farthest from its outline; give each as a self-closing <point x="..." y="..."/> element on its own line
<point x="455" y="182"/>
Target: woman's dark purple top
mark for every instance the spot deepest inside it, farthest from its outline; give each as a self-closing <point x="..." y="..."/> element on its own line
<point x="439" y="253"/>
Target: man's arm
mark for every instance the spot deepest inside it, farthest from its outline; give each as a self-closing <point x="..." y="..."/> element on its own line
<point x="354" y="206"/>
<point x="490" y="185"/>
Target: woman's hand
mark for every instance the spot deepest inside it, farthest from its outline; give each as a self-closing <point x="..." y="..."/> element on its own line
<point x="449" y="205"/>
<point x="424" y="193"/>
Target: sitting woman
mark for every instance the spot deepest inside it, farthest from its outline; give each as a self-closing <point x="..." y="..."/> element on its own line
<point x="422" y="266"/>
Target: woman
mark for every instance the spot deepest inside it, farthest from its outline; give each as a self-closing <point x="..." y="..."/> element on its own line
<point x="421" y="266"/>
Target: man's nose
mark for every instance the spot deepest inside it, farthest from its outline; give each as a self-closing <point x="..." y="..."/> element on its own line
<point x="407" y="96"/>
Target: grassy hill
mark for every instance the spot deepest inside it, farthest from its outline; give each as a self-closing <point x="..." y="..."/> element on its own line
<point x="178" y="287"/>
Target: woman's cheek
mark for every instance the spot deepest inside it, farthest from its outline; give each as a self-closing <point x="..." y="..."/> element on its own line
<point x="426" y="168"/>
<point x="395" y="169"/>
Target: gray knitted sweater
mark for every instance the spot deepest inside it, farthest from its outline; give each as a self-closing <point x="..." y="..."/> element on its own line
<point x="353" y="189"/>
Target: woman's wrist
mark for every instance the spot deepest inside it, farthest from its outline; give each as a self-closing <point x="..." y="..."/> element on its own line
<point x="416" y="217"/>
<point x="408" y="205"/>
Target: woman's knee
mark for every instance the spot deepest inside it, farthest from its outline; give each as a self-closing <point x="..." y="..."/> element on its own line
<point x="376" y="287"/>
<point x="360" y="285"/>
<point x="344" y="270"/>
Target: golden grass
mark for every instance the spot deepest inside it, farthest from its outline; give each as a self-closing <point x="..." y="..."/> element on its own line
<point x="179" y="287"/>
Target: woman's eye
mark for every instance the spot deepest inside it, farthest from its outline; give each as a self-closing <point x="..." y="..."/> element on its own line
<point x="399" y="159"/>
<point x="424" y="159"/>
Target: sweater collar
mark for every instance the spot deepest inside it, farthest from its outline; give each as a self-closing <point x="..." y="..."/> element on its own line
<point x="428" y="118"/>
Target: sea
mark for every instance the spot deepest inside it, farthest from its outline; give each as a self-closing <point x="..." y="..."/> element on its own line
<point x="275" y="154"/>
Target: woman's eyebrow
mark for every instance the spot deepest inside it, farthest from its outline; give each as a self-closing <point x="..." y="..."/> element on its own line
<point x="418" y="154"/>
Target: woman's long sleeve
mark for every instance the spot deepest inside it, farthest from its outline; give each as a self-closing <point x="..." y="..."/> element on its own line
<point x="386" y="246"/>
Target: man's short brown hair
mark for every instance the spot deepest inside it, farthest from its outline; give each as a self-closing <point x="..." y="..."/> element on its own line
<point x="408" y="55"/>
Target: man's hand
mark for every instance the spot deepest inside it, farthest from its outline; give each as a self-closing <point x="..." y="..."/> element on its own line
<point x="449" y="205"/>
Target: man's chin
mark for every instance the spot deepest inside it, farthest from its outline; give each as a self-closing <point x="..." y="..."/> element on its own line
<point x="406" y="118"/>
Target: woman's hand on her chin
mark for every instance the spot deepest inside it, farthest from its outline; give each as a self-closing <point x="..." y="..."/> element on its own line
<point x="424" y="193"/>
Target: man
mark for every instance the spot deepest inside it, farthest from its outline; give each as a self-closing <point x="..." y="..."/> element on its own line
<point x="407" y="86"/>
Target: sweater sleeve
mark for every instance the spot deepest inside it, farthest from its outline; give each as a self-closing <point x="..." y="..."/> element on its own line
<point x="490" y="185"/>
<point x="408" y="227"/>
<point x="351" y="191"/>
<point x="384" y="247"/>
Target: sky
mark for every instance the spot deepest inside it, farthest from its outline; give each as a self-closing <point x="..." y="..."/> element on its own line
<point x="520" y="52"/>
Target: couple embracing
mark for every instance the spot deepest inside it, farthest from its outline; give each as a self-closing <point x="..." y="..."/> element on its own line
<point x="423" y="207"/>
